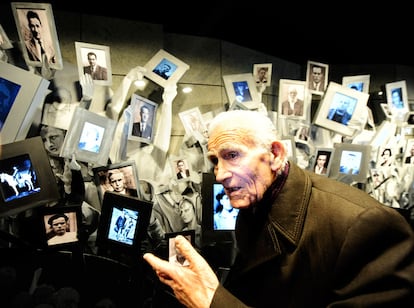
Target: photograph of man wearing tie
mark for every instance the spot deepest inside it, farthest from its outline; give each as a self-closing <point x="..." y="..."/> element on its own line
<point x="97" y="72"/>
<point x="38" y="47"/>
<point x="143" y="128"/>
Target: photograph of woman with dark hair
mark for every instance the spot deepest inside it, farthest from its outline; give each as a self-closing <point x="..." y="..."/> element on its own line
<point x="224" y="215"/>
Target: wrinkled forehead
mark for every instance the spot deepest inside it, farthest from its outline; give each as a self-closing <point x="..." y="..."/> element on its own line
<point x="229" y="135"/>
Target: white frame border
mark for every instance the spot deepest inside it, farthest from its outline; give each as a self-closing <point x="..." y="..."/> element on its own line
<point x="82" y="50"/>
<point x="156" y="60"/>
<point x="248" y="78"/>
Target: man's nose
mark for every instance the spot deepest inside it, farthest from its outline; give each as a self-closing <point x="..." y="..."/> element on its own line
<point x="221" y="172"/>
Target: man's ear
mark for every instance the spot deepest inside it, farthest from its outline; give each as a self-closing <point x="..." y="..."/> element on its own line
<point x="279" y="152"/>
<point x="278" y="149"/>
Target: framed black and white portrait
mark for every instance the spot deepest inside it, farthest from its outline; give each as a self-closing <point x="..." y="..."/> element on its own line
<point x="37" y="32"/>
<point x="262" y="74"/>
<point x="317" y="77"/>
<point x="193" y="123"/>
<point x="323" y="161"/>
<point x="292" y="99"/>
<point x="120" y="178"/>
<point x="94" y="60"/>
<point x="142" y="121"/>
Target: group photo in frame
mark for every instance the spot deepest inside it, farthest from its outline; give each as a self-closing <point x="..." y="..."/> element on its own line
<point x="242" y="88"/>
<point x="94" y="60"/>
<point x="36" y="28"/>
<point x="323" y="161"/>
<point x="5" y="42"/>
<point x="165" y="69"/>
<point x="292" y="99"/>
<point x="143" y="119"/>
<point x="397" y="97"/>
<point x="262" y="74"/>
<point x="21" y="96"/>
<point x="339" y="106"/>
<point x="358" y="82"/>
<point x="120" y="178"/>
<point x="123" y="225"/>
<point x="61" y="225"/>
<point x="89" y="137"/>
<point x="317" y="77"/>
<point x="350" y="160"/>
<point x="193" y="123"/>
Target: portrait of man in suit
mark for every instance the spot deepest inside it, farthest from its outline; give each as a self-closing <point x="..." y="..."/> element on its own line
<point x="39" y="48"/>
<point x="182" y="171"/>
<point x="292" y="105"/>
<point x="97" y="72"/>
<point x="143" y="128"/>
<point x="317" y="78"/>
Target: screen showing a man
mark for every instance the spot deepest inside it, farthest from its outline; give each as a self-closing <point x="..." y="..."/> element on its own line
<point x="165" y="69"/>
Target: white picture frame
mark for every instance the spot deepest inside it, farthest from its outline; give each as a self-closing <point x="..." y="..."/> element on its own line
<point x="188" y="172"/>
<point x="177" y="68"/>
<point x="44" y="12"/>
<point x="289" y="144"/>
<point x="103" y="62"/>
<point x="89" y="137"/>
<point x="262" y="74"/>
<point x="128" y="168"/>
<point x="24" y="94"/>
<point x="5" y="41"/>
<point x="324" y="70"/>
<point x="339" y="97"/>
<point x="358" y="82"/>
<point x="286" y="86"/>
<point x="193" y="123"/>
<point x="397" y="88"/>
<point x="138" y="102"/>
<point x="350" y="160"/>
<point x="250" y="98"/>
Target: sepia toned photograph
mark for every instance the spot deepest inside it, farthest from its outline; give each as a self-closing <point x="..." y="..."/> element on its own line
<point x="94" y="60"/>
<point x="292" y="99"/>
<point x="317" y="77"/>
<point x="37" y="32"/>
<point x="262" y="74"/>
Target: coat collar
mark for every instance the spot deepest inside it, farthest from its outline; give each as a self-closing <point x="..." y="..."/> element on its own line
<point x="263" y="233"/>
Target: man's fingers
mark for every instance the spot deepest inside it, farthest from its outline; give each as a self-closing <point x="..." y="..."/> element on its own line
<point x="187" y="250"/>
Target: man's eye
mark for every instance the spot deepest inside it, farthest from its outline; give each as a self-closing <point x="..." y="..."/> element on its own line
<point x="231" y="155"/>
